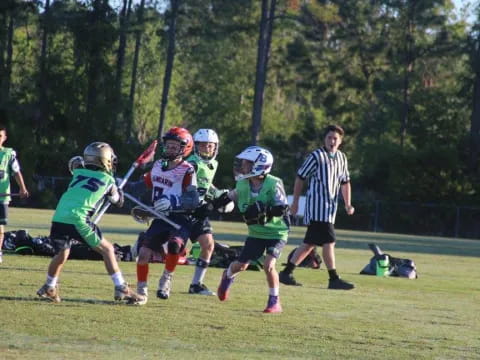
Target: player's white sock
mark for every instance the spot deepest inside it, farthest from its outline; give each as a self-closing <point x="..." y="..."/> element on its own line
<point x="274" y="291"/>
<point x="51" y="280"/>
<point x="118" y="279"/>
<point x="200" y="271"/>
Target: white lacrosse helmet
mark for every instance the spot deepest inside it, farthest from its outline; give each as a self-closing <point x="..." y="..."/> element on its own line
<point x="261" y="159"/>
<point x="206" y="135"/>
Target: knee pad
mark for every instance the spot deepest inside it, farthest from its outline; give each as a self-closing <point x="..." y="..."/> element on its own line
<point x="175" y="246"/>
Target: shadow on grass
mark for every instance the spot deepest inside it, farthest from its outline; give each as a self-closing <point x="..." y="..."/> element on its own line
<point x="64" y="300"/>
<point x="44" y="270"/>
<point x="387" y="242"/>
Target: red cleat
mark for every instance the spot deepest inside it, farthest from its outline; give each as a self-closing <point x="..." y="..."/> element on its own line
<point x="273" y="305"/>
<point x="225" y="283"/>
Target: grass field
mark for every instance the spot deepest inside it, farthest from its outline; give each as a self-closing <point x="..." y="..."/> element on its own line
<point x="436" y="316"/>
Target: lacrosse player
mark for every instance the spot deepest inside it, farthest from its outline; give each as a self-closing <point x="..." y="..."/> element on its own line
<point x="8" y="165"/>
<point x="92" y="181"/>
<point x="261" y="199"/>
<point x="169" y="179"/>
<point x="203" y="160"/>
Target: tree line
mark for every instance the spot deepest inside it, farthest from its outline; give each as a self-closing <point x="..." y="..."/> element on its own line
<point x="401" y="76"/>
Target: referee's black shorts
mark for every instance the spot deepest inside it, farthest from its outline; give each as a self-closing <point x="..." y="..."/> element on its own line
<point x="319" y="233"/>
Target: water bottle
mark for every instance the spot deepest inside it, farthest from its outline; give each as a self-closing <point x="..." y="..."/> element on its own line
<point x="383" y="265"/>
<point x="195" y="250"/>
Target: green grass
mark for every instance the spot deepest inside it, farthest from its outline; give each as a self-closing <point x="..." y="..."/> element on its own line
<point x="436" y="316"/>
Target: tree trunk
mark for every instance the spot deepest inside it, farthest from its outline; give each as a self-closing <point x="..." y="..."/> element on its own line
<point x="475" y="119"/>
<point x="8" y="62"/>
<point x="43" y="87"/>
<point x="408" y="69"/>
<point x="122" y="44"/>
<point x="93" y="72"/>
<point x="136" y="55"/>
<point x="169" y="65"/>
<point x="264" y="42"/>
<point x="3" y="37"/>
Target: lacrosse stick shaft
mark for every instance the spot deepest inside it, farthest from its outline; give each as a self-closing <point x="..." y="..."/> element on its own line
<point x="145" y="157"/>
<point x="5" y="194"/>
<point x="152" y="211"/>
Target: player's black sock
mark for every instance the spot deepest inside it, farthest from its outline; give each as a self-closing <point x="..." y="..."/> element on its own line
<point x="333" y="274"/>
<point x="289" y="268"/>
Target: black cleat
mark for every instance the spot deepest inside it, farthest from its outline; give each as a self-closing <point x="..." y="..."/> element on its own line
<point x="288" y="279"/>
<point x="339" y="284"/>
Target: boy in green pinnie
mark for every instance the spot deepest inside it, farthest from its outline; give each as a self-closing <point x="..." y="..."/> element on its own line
<point x="262" y="201"/>
<point x="203" y="160"/>
<point x="8" y="165"/>
<point x="92" y="181"/>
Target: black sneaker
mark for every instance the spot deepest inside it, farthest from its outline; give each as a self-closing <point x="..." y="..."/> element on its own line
<point x="339" y="284"/>
<point x="200" y="289"/>
<point x="288" y="279"/>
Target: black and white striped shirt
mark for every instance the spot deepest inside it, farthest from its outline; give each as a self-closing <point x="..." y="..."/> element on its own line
<point x="325" y="176"/>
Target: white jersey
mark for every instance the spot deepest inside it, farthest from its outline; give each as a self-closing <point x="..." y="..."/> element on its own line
<point x="170" y="182"/>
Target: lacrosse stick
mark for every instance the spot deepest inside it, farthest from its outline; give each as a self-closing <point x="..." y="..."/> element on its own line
<point x="152" y="211"/>
<point x="5" y="194"/>
<point x="144" y="158"/>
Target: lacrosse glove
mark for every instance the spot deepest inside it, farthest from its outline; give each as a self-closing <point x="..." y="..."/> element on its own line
<point x="190" y="198"/>
<point x="207" y="208"/>
<point x="256" y="213"/>
<point x="259" y="213"/>
<point x="116" y="196"/>
<point x="163" y="205"/>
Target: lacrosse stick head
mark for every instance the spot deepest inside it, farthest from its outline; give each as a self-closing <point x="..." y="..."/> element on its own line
<point x="140" y="215"/>
<point x="75" y="163"/>
<point x="148" y="155"/>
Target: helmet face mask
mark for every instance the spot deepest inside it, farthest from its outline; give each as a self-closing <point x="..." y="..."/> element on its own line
<point x="253" y="161"/>
<point x="172" y="149"/>
<point x="100" y="155"/>
<point x="206" y="144"/>
<point x="180" y="136"/>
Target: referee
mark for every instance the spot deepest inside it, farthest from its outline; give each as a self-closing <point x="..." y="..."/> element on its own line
<point x="327" y="172"/>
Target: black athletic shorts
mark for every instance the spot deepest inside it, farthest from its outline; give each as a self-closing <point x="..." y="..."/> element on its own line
<point x="161" y="232"/>
<point x="319" y="233"/>
<point x="200" y="227"/>
<point x="3" y="214"/>
<point x="64" y="235"/>
<point x="255" y="247"/>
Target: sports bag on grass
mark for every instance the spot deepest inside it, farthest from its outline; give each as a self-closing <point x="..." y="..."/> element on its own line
<point x="398" y="267"/>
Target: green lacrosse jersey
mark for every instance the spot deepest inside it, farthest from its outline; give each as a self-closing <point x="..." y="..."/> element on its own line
<point x="205" y="173"/>
<point x="6" y="157"/>
<point x="276" y="228"/>
<point x="85" y="192"/>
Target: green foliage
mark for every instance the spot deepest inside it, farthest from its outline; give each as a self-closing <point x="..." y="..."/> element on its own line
<point x="398" y="76"/>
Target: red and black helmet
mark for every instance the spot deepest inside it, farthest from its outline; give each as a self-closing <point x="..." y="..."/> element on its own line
<point x="184" y="137"/>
